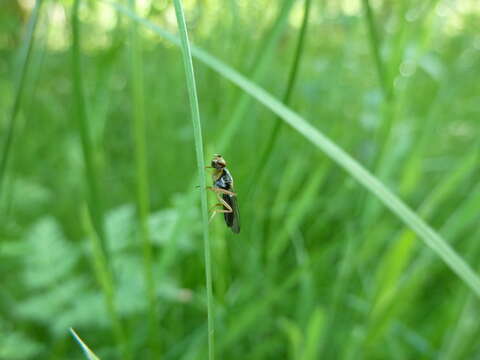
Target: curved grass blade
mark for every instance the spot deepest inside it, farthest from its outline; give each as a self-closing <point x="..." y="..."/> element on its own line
<point x="430" y="237"/>
<point x="88" y="353"/>
<point x="197" y="133"/>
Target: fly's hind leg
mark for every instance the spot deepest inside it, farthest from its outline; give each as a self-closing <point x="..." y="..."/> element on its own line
<point x="226" y="208"/>
<point x="214" y="206"/>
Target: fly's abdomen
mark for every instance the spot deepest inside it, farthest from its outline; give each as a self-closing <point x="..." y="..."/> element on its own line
<point x="232" y="219"/>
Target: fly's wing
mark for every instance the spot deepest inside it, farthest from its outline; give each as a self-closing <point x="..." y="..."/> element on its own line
<point x="232" y="219"/>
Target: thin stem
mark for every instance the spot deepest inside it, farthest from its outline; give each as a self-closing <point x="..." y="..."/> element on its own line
<point x="24" y="63"/>
<point x="143" y="204"/>
<point x="197" y="132"/>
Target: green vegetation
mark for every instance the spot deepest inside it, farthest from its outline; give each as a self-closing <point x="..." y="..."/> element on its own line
<point x="104" y="229"/>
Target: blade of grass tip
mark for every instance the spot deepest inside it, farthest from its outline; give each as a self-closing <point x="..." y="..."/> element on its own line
<point x="430" y="237"/>
<point x="143" y="205"/>
<point x="105" y="279"/>
<point x="88" y="353"/>
<point x="25" y="54"/>
<point x="197" y="132"/>
<point x="292" y="77"/>
<point x="94" y="200"/>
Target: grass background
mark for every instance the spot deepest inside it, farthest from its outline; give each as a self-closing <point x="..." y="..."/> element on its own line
<point x="101" y="227"/>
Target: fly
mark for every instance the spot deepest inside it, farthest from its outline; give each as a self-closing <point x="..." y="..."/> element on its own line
<point x="224" y="190"/>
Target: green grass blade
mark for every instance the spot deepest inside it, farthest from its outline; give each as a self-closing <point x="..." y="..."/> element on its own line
<point x="143" y="203"/>
<point x="88" y="353"/>
<point x="24" y="63"/>
<point x="94" y="199"/>
<point x="197" y="132"/>
<point x="355" y="169"/>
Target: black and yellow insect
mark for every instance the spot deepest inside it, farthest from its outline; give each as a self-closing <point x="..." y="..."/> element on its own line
<point x="223" y="188"/>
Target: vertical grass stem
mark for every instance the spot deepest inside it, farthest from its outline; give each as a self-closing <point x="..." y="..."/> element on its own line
<point x="197" y="132"/>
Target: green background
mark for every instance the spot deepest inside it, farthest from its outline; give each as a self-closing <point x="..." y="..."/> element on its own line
<point x="321" y="269"/>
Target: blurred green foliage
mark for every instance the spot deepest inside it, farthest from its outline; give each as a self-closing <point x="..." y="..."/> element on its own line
<point x="320" y="270"/>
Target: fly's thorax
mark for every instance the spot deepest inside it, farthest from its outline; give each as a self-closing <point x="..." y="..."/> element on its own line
<point x="228" y="177"/>
<point x="217" y="174"/>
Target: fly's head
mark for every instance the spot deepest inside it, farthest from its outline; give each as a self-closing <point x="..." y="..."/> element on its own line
<point x="218" y="162"/>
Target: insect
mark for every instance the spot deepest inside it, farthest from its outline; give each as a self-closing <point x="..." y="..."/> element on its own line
<point x="223" y="188"/>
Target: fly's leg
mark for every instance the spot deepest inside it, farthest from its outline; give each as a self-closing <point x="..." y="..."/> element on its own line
<point x="227" y="208"/>
<point x="214" y="206"/>
<point x="222" y="191"/>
